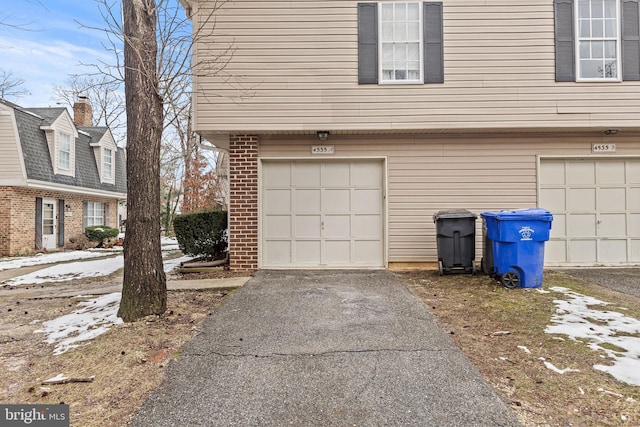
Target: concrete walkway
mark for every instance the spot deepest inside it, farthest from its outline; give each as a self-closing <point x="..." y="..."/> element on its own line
<point x="318" y="348"/>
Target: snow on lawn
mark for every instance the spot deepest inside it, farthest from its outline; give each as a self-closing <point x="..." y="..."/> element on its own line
<point x="93" y="319"/>
<point x="70" y="271"/>
<point x="51" y="258"/>
<point x="170" y="264"/>
<point x="169" y="243"/>
<point x="81" y="270"/>
<point x="583" y="317"/>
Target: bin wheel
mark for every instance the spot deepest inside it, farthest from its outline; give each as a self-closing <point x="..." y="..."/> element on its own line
<point x="440" y="268"/>
<point x="510" y="280"/>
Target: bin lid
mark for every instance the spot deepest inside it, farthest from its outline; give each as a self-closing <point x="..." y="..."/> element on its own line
<point x="535" y="214"/>
<point x="454" y="213"/>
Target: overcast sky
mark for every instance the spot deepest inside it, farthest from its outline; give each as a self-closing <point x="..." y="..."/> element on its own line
<point x="50" y="43"/>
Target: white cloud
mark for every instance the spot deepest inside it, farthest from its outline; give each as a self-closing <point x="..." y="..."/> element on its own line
<point x="46" y="63"/>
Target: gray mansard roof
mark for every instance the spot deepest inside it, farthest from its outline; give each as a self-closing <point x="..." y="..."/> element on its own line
<point x="37" y="158"/>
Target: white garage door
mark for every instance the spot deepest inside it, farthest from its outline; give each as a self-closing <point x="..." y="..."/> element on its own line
<point x="322" y="214"/>
<point x="596" y="208"/>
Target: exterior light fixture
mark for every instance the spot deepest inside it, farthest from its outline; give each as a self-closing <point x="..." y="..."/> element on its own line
<point x="611" y="131"/>
<point x="323" y="135"/>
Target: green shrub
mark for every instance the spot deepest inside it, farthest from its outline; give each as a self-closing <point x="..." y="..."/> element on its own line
<point x="202" y="233"/>
<point x="99" y="233"/>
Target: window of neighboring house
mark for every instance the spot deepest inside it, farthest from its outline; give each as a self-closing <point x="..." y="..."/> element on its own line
<point x="107" y="163"/>
<point x="64" y="151"/>
<point x="401" y="42"/>
<point x="598" y="39"/>
<point x="94" y="214"/>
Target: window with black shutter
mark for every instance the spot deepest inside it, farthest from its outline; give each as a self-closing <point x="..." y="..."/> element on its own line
<point x="400" y="42"/>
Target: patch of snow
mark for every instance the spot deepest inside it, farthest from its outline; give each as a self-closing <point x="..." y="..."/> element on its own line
<point x="70" y="271"/>
<point x="581" y="390"/>
<point x="577" y="318"/>
<point x="52" y="258"/>
<point x="94" y="318"/>
<point x="550" y="365"/>
<point x="58" y="377"/>
<point x="81" y="270"/>
<point x="542" y="291"/>
<point x="170" y="264"/>
<point x="525" y="349"/>
<point x="169" y="243"/>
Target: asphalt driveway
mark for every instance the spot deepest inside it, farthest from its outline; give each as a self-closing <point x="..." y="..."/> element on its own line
<point x="322" y="348"/>
<point x="626" y="280"/>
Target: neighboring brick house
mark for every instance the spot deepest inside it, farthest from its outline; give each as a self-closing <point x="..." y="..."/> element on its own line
<point x="349" y="124"/>
<point x="57" y="177"/>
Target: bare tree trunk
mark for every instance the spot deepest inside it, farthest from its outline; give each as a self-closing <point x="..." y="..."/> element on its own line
<point x="144" y="290"/>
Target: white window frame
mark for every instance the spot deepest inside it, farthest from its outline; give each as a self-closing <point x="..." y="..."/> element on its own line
<point x="95" y="214"/>
<point x="618" y="41"/>
<point x="107" y="164"/>
<point x="420" y="79"/>
<point x="60" y="151"/>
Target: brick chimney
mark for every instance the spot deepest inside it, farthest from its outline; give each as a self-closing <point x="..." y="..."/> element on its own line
<point x="82" y="112"/>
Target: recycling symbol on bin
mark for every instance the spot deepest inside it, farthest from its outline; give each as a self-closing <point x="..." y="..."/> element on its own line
<point x="526" y="233"/>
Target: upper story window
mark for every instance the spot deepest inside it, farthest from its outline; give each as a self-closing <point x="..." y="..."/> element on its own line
<point x="598" y="39"/>
<point x="401" y="42"/>
<point x="64" y="151"/>
<point x="107" y="163"/>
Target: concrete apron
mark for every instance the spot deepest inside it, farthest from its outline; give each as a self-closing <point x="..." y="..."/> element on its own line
<point x="323" y="348"/>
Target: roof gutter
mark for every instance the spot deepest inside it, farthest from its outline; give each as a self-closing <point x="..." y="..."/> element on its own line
<point x="43" y="185"/>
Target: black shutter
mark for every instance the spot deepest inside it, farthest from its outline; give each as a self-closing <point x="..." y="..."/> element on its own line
<point x="433" y="42"/>
<point x="38" y="242"/>
<point x="60" y="223"/>
<point x="367" y="43"/>
<point x="565" y="33"/>
<point x="84" y="215"/>
<point x="106" y="214"/>
<point x="630" y="40"/>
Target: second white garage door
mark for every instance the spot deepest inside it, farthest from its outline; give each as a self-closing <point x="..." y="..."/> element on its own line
<point x="596" y="208"/>
<point x="322" y="214"/>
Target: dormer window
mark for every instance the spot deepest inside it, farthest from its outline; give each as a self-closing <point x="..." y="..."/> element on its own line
<point x="64" y="151"/>
<point x="107" y="163"/>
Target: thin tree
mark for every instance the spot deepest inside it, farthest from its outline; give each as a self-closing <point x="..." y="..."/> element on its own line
<point x="144" y="290"/>
<point x="11" y="86"/>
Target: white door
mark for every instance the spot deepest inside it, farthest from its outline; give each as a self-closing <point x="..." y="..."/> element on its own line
<point x="48" y="224"/>
<point x="322" y="214"/>
<point x="596" y="208"/>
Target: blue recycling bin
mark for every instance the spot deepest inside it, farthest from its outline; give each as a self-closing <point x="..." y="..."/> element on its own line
<point x="517" y="241"/>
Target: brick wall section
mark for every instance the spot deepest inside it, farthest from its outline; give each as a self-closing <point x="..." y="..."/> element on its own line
<point x="243" y="202"/>
<point x="18" y="217"/>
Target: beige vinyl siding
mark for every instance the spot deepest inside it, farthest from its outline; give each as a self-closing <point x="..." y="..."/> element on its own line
<point x="429" y="174"/>
<point x="294" y="68"/>
<point x="11" y="167"/>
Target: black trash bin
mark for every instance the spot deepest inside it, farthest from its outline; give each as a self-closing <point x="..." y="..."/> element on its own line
<point x="456" y="241"/>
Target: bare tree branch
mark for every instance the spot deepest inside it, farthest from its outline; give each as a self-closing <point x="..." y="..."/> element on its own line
<point x="11" y="86"/>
